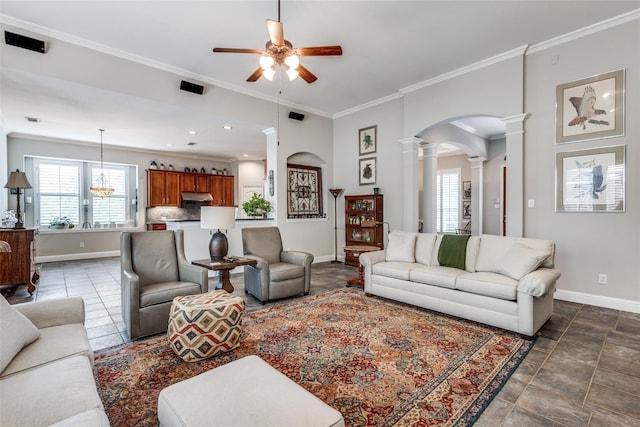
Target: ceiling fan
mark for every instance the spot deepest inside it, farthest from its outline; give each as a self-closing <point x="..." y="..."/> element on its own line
<point x="281" y="53"/>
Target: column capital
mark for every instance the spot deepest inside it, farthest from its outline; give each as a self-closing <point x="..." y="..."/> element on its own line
<point x="269" y="131"/>
<point x="516" y="118"/>
<point x="411" y="140"/>
<point x="476" y="162"/>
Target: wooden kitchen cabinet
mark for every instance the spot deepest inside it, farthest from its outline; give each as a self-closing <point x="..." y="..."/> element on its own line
<point x="195" y="182"/>
<point x="222" y="190"/>
<point x="163" y="188"/>
<point x="17" y="266"/>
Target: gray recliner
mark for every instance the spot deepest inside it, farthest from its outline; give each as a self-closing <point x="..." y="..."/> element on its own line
<point x="278" y="274"/>
<point x="154" y="270"/>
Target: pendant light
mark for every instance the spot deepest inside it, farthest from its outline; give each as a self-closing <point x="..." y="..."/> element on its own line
<point x="101" y="187"/>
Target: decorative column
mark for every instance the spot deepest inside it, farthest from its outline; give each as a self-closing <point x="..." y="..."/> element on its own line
<point x="515" y="174"/>
<point x="477" y="203"/>
<point x="272" y="165"/>
<point x="410" y="152"/>
<point x="429" y="190"/>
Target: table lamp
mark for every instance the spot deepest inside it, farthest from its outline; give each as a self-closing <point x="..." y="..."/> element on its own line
<point x="218" y="217"/>
<point x="18" y="180"/>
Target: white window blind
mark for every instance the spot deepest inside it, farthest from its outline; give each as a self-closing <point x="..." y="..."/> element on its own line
<point x="448" y="200"/>
<point x="62" y="190"/>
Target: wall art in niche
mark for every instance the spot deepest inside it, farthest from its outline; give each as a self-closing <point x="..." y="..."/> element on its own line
<point x="590" y="108"/>
<point x="367" y="140"/>
<point x="367" y="170"/>
<point x="304" y="191"/>
<point x="591" y="180"/>
<point x="466" y="189"/>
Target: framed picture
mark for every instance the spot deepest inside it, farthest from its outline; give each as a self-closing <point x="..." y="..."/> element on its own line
<point x="466" y="189"/>
<point x="591" y="180"/>
<point x="367" y="140"/>
<point x="304" y="191"/>
<point x="466" y="209"/>
<point x="590" y="108"/>
<point x="367" y="171"/>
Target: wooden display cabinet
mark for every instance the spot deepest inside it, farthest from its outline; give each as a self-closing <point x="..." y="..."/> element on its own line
<point x="17" y="266"/>
<point x="364" y="217"/>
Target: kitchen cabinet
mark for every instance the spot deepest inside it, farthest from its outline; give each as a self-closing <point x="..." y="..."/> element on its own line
<point x="195" y="182"/>
<point x="222" y="190"/>
<point x="163" y="188"/>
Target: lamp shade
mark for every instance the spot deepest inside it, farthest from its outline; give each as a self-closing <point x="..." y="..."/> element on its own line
<point x="18" y="179"/>
<point x="4" y="246"/>
<point x="217" y="217"/>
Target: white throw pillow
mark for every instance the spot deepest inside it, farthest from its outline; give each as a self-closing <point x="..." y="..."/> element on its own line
<point x="16" y="331"/>
<point x="520" y="260"/>
<point x="401" y="247"/>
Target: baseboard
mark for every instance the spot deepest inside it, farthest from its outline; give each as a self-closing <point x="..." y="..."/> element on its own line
<point x="73" y="257"/>
<point x="598" y="300"/>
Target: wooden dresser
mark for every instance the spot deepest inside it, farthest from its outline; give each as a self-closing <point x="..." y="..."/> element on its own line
<point x="16" y="267"/>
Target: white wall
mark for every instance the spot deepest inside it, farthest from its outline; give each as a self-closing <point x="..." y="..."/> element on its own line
<point x="587" y="243"/>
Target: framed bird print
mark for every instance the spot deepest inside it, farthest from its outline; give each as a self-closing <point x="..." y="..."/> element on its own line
<point x="591" y="180"/>
<point x="367" y="140"/>
<point x="368" y="171"/>
<point x="590" y="108"/>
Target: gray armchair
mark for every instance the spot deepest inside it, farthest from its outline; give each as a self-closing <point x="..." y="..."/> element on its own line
<point x="278" y="273"/>
<point x="154" y="270"/>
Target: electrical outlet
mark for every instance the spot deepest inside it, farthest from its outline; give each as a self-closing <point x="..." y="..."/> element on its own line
<point x="602" y="279"/>
<point x="531" y="203"/>
<point x="82" y="244"/>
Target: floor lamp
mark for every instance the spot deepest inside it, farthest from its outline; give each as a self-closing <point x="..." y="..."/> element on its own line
<point x="335" y="192"/>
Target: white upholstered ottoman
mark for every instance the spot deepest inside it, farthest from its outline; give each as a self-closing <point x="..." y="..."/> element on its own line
<point x="246" y="392"/>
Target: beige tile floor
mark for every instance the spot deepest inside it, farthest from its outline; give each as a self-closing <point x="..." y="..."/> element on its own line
<point x="583" y="371"/>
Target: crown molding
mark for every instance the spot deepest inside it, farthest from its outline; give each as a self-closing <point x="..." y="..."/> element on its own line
<point x="583" y="32"/>
<point x="367" y="105"/>
<point x="88" y="44"/>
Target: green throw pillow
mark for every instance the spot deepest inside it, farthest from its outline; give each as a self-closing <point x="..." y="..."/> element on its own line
<point x="453" y="250"/>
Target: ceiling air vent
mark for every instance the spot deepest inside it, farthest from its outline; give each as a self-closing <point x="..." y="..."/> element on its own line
<point x="31" y="119"/>
<point x="192" y="143"/>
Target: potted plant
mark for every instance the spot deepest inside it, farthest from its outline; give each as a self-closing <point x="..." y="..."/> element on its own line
<point x="61" y="222"/>
<point x="256" y="206"/>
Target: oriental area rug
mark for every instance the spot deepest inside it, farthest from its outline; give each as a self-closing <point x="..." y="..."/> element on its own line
<point x="378" y="362"/>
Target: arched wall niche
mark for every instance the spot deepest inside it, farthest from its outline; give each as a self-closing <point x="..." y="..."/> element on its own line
<point x="300" y="198"/>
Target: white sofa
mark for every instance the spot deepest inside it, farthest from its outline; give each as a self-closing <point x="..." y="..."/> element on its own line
<point x="46" y="366"/>
<point x="506" y="282"/>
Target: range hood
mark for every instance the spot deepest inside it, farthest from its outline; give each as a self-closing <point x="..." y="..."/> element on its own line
<point x="188" y="196"/>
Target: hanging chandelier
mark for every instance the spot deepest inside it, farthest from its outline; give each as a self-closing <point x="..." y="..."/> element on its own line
<point x="101" y="187"/>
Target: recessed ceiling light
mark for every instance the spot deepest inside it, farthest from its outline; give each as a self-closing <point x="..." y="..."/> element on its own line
<point x="192" y="132"/>
<point x="169" y="145"/>
<point x="227" y="127"/>
<point x="245" y="155"/>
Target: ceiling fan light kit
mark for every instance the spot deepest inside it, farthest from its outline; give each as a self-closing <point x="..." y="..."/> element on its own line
<point x="281" y="53"/>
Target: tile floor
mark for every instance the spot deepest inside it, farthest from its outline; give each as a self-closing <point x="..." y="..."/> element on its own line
<point x="583" y="371"/>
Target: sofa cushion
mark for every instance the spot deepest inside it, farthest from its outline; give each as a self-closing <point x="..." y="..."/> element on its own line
<point x="396" y="270"/>
<point x="494" y="248"/>
<point x="425" y="243"/>
<point x="436" y="275"/>
<point x="91" y="418"/>
<point x="56" y="342"/>
<point x="16" y="331"/>
<point x="488" y="284"/>
<point x="520" y="261"/>
<point x="49" y="394"/>
<point x="401" y="246"/>
<point x="453" y="251"/>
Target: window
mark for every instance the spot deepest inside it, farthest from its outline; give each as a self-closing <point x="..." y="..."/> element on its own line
<point x="61" y="189"/>
<point x="448" y="200"/>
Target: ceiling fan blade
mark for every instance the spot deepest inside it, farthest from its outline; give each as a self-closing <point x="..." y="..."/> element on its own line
<point x="233" y="50"/>
<point x="256" y="75"/>
<point x="319" y="51"/>
<point x="306" y="75"/>
<point x="276" y="32"/>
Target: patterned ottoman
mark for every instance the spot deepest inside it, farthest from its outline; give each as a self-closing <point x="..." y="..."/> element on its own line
<point x="201" y="326"/>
